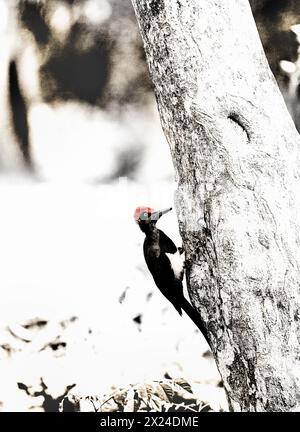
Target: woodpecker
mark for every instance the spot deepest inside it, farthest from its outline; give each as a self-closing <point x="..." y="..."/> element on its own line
<point x="165" y="263"/>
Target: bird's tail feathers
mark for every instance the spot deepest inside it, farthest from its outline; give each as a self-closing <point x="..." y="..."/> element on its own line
<point x="195" y="317"/>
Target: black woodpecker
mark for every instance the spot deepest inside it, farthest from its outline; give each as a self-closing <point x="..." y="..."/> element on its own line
<point x="165" y="263"/>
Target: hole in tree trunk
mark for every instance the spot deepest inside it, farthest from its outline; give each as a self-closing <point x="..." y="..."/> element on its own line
<point x="234" y="117"/>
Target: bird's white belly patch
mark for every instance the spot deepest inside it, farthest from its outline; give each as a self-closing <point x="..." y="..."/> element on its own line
<point x="176" y="261"/>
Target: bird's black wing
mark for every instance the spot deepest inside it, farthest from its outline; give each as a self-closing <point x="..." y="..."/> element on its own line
<point x="160" y="267"/>
<point x="166" y="244"/>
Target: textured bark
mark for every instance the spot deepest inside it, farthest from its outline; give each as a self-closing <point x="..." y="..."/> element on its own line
<point x="236" y="155"/>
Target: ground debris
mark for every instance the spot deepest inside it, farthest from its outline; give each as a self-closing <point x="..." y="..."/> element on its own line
<point x="48" y="402"/>
<point x="161" y="396"/>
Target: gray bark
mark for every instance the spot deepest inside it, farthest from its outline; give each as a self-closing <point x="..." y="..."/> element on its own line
<point x="236" y="156"/>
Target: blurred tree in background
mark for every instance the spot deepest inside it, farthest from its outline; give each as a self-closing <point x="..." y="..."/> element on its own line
<point x="89" y="53"/>
<point x="90" y="50"/>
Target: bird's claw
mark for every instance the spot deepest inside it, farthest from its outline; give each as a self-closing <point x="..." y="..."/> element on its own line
<point x="181" y="250"/>
<point x="187" y="263"/>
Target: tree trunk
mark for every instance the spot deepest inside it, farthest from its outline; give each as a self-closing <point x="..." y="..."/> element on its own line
<point x="236" y="155"/>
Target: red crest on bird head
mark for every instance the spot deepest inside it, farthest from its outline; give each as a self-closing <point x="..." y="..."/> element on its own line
<point x="140" y="210"/>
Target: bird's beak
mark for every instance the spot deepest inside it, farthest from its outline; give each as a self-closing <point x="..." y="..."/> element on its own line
<point x="156" y="215"/>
